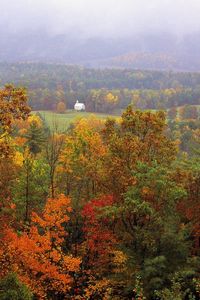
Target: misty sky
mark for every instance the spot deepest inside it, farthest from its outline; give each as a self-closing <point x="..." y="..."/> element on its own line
<point x="91" y="18"/>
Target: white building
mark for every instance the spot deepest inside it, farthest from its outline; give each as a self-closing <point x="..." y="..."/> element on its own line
<point x="79" y="106"/>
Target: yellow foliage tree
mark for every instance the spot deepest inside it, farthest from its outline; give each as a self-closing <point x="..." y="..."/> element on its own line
<point x="110" y="98"/>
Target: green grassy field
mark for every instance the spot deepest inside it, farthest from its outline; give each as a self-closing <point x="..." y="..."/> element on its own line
<point x="64" y="120"/>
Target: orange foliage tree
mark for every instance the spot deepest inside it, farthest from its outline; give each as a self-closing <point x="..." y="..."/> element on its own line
<point x="37" y="255"/>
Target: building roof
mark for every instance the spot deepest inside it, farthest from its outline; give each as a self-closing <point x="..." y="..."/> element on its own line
<point x="79" y="106"/>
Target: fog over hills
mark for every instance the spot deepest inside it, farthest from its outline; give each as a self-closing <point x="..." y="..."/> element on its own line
<point x="130" y="33"/>
<point x="161" y="51"/>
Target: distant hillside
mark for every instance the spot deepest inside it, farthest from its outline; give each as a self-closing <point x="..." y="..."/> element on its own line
<point x="152" y="61"/>
<point x="153" y="52"/>
<point x="141" y="60"/>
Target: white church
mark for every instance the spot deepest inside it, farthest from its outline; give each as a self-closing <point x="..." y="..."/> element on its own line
<point x="79" y="106"/>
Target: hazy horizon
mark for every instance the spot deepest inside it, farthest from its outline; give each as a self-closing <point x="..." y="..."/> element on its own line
<point x="93" y="32"/>
<point x="105" y="18"/>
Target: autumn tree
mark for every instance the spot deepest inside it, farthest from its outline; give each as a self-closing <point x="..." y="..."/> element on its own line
<point x="99" y="238"/>
<point x="61" y="107"/>
<point x="81" y="161"/>
<point x="140" y="136"/>
<point x="103" y="262"/>
<point x="189" y="112"/>
<point x="131" y="229"/>
<point x="190" y="206"/>
<point x="79" y="171"/>
<point x="110" y="101"/>
<point x="139" y="160"/>
<point x="13" y="105"/>
<point x="37" y="255"/>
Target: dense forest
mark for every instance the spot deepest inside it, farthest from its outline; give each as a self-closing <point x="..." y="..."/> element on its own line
<point x="100" y="150"/>
<point x="106" y="209"/>
<point x="102" y="90"/>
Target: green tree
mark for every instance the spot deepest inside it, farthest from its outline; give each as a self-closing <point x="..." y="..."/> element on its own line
<point x="35" y="138"/>
<point x="32" y="186"/>
<point x="12" y="289"/>
<point x="53" y="150"/>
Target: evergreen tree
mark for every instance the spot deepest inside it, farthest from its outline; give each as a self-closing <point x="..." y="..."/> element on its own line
<point x="12" y="289"/>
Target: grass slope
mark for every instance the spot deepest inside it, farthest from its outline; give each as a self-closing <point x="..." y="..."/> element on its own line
<point x="64" y="120"/>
